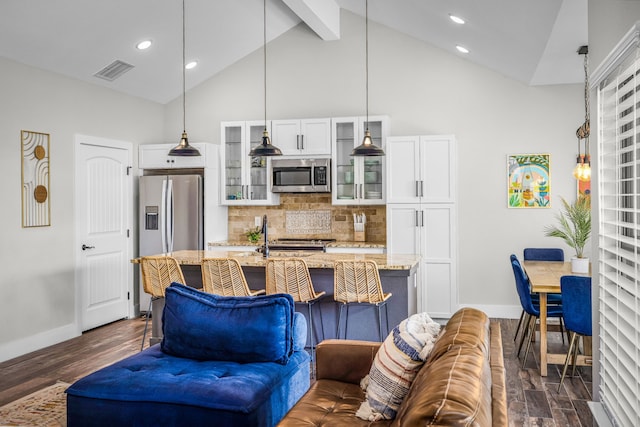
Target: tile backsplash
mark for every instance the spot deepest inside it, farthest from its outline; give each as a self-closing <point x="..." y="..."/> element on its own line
<point x="308" y="216"/>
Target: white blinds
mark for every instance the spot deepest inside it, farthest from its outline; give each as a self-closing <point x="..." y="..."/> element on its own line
<point x="619" y="241"/>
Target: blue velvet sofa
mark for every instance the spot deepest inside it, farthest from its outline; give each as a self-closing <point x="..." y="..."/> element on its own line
<point x="223" y="361"/>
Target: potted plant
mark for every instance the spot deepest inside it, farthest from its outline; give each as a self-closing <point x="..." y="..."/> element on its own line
<point x="574" y="227"/>
<point x="253" y="234"/>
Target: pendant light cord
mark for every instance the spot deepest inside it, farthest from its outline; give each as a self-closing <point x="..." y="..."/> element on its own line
<point x="264" y="16"/>
<point x="587" y="118"/>
<point x="366" y="50"/>
<point x="184" y="102"/>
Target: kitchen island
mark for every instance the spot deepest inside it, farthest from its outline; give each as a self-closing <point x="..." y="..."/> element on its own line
<point x="397" y="274"/>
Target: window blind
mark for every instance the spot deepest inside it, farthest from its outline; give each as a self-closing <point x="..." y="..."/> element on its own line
<point x="619" y="240"/>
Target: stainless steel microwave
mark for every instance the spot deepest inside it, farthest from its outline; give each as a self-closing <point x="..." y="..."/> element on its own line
<point x="301" y="175"/>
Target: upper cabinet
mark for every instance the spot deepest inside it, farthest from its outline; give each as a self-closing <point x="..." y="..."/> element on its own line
<point x="358" y="180"/>
<point x="156" y="156"/>
<point x="307" y="137"/>
<point x="244" y="180"/>
<point x="422" y="169"/>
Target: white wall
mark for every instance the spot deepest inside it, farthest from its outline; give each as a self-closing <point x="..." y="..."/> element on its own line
<point x="424" y="90"/>
<point x="37" y="281"/>
<point x="609" y="21"/>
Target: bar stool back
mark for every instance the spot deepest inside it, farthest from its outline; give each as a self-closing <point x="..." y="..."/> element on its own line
<point x="224" y="276"/>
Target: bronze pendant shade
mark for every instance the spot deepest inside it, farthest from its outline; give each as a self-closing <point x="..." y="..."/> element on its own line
<point x="266" y="148"/>
<point x="183" y="148"/>
<point x="367" y="148"/>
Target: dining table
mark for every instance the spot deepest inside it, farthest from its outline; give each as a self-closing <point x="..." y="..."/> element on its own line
<point x="544" y="277"/>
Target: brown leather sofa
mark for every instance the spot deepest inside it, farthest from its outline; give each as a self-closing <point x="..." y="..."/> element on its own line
<point x="461" y="384"/>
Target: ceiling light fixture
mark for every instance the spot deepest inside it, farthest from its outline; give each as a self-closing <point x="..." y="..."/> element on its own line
<point x="145" y="44"/>
<point x="367" y="148"/>
<point x="183" y="148"/>
<point x="265" y="148"/>
<point x="462" y="49"/>
<point x="191" y="65"/>
<point x="582" y="171"/>
<point x="456" y="19"/>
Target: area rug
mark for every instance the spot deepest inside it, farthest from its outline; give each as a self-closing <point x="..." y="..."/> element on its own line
<point x="46" y="407"/>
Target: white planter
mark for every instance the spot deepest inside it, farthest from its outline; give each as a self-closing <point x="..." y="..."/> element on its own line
<point x="579" y="265"/>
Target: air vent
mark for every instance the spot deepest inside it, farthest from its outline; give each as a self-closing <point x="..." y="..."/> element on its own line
<point x="113" y="70"/>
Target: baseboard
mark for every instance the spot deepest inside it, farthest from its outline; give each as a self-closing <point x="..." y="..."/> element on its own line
<point x="599" y="414"/>
<point x="35" y="342"/>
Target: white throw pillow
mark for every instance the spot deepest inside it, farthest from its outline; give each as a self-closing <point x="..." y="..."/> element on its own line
<point x="395" y="366"/>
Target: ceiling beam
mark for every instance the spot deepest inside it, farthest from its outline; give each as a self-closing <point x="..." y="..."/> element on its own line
<point x="322" y="16"/>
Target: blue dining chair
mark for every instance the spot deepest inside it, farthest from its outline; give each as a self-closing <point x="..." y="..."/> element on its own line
<point x="543" y="254"/>
<point x="552" y="299"/>
<point x="531" y="310"/>
<point x="576" y="307"/>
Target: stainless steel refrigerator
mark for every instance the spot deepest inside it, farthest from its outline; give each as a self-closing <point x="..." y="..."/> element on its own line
<point x="171" y="216"/>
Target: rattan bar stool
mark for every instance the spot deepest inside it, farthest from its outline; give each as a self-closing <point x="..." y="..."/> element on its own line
<point x="358" y="282"/>
<point x="291" y="276"/>
<point x="224" y="276"/>
<point x="158" y="272"/>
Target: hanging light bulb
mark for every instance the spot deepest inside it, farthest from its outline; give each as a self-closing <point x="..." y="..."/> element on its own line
<point x="183" y="148"/>
<point x="582" y="171"/>
<point x="265" y="148"/>
<point x="367" y="148"/>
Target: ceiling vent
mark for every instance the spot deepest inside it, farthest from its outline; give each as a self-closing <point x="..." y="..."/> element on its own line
<point x="113" y="70"/>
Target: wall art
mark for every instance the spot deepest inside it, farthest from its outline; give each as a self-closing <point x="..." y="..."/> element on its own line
<point x="36" y="205"/>
<point x="528" y="181"/>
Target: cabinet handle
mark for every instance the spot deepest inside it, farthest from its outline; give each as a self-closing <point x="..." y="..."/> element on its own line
<point x="421" y="188"/>
<point x="417" y="188"/>
<point x="355" y="191"/>
<point x="421" y="218"/>
<point x="302" y="141"/>
<point x="298" y="142"/>
<point x="417" y="221"/>
<point x="361" y="192"/>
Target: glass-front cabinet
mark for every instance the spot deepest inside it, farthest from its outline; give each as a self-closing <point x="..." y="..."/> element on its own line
<point x="358" y="180"/>
<point x="244" y="179"/>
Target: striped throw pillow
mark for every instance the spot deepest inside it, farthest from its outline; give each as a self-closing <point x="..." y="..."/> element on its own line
<point x="395" y="366"/>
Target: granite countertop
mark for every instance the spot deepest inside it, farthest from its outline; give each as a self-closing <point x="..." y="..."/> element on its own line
<point x="337" y="244"/>
<point x="313" y="259"/>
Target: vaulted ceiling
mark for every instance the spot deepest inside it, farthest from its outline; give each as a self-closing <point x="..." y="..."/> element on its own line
<point x="534" y="42"/>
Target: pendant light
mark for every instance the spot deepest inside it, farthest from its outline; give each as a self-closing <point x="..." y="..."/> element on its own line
<point x="265" y="148"/>
<point x="582" y="171"/>
<point x="367" y="148"/>
<point x="183" y="148"/>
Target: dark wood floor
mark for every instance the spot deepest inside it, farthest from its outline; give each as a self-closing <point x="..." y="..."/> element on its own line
<point x="533" y="400"/>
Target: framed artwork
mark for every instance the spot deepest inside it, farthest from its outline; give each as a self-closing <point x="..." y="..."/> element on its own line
<point x="36" y="206"/>
<point x="528" y="181"/>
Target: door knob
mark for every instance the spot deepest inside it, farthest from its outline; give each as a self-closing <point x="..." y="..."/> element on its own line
<point x="85" y="247"/>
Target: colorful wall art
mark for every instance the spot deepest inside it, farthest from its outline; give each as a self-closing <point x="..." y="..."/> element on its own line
<point x="529" y="185"/>
<point x="36" y="207"/>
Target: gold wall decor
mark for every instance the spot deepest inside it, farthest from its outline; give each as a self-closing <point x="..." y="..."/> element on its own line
<point x="36" y="206"/>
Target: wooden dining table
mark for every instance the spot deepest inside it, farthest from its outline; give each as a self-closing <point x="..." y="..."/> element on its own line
<point x="544" y="277"/>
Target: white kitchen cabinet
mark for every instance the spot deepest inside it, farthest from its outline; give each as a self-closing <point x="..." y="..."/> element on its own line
<point x="302" y="137"/>
<point x="358" y="180"/>
<point x="419" y="169"/>
<point x="156" y="156"/>
<point x="422" y="219"/>
<point x="245" y="180"/>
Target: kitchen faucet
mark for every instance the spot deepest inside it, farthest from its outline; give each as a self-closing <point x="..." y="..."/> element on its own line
<point x="265" y="248"/>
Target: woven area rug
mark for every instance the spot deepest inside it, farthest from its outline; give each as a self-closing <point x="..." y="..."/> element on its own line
<point x="46" y="407"/>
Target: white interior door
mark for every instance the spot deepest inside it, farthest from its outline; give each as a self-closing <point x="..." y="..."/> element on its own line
<point x="104" y="273"/>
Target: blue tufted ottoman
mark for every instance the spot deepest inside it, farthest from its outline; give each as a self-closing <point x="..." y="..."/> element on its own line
<point x="223" y="381"/>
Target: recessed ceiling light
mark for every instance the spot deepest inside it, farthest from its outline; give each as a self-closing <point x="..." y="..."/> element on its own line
<point x="462" y="49"/>
<point x="145" y="44"/>
<point x="456" y="19"/>
<point x="191" y="65"/>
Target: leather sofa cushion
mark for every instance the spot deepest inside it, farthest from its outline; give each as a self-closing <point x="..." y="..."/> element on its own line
<point x="455" y="385"/>
<point x="202" y="326"/>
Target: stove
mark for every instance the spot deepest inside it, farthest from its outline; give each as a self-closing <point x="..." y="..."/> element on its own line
<point x="297" y="244"/>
